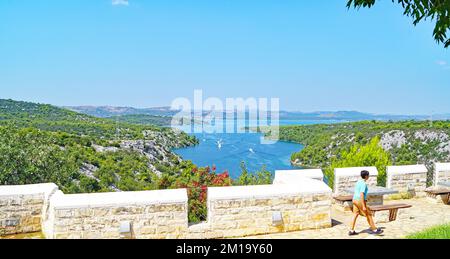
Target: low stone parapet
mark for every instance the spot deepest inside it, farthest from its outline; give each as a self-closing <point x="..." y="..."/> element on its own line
<point x="162" y="214"/>
<point x="407" y="179"/>
<point x="291" y="176"/>
<point x="148" y="214"/>
<point x="252" y="210"/>
<point x="23" y="207"/>
<point x="442" y="173"/>
<point x="346" y="178"/>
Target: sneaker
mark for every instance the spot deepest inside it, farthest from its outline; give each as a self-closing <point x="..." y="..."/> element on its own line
<point x="352" y="233"/>
<point x="376" y="232"/>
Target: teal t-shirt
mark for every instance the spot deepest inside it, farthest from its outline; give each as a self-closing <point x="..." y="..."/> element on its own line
<point x="361" y="186"/>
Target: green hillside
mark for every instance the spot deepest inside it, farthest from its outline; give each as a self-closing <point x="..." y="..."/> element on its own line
<point x="405" y="142"/>
<point x="81" y="153"/>
<point x="51" y="118"/>
<point x="10" y="109"/>
<point x="143" y="119"/>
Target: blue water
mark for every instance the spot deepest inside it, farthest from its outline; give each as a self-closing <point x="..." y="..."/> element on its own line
<point x="242" y="147"/>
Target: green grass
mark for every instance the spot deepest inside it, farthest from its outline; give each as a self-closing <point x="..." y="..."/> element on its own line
<point x="438" y="232"/>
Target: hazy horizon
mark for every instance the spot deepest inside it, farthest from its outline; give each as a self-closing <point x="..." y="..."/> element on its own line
<point x="282" y="110"/>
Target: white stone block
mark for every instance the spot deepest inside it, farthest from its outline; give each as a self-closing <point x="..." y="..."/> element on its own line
<point x="355" y="171"/>
<point x="29" y="203"/>
<point x="345" y="178"/>
<point x="292" y="176"/>
<point x="307" y="186"/>
<point x="407" y="178"/>
<point x="442" y="173"/>
<point x="17" y="190"/>
<point x="116" y="199"/>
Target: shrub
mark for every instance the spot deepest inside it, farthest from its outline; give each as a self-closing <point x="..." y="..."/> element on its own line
<point x="197" y="181"/>
<point x="371" y="154"/>
<point x="258" y="178"/>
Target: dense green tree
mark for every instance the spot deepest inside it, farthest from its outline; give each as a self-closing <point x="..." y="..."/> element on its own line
<point x="30" y="156"/>
<point x="260" y="177"/>
<point x="371" y="154"/>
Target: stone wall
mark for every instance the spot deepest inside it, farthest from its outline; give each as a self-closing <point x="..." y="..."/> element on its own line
<point x="150" y="215"/>
<point x="442" y="173"/>
<point x="22" y="208"/>
<point x="407" y="179"/>
<point x="291" y="176"/>
<point x="346" y="178"/>
<point x="252" y="210"/>
<point x="232" y="211"/>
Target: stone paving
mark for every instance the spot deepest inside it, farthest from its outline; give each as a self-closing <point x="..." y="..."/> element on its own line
<point x="37" y="235"/>
<point x="422" y="215"/>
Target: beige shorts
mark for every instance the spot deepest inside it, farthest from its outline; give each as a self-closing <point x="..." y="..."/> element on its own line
<point x="357" y="209"/>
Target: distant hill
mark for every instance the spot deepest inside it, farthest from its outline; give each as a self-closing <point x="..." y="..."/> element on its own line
<point x="10" y="109"/>
<point x="143" y="119"/>
<point x="51" y="118"/>
<point x="110" y="111"/>
<point x="351" y="116"/>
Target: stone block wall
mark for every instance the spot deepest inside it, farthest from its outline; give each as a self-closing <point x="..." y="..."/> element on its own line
<point x="151" y="214"/>
<point x="292" y="176"/>
<point x="162" y="214"/>
<point x="407" y="179"/>
<point x="346" y="178"/>
<point x="22" y="208"/>
<point x="249" y="210"/>
<point x="442" y="173"/>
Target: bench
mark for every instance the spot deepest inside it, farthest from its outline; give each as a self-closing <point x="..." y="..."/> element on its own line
<point x="445" y="193"/>
<point x="392" y="208"/>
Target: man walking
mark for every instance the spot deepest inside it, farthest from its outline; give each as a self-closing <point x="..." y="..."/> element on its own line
<point x="360" y="205"/>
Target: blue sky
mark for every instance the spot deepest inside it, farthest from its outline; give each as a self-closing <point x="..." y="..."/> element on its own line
<point x="313" y="55"/>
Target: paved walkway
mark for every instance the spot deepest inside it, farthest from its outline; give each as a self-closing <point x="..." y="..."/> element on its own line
<point x="422" y="215"/>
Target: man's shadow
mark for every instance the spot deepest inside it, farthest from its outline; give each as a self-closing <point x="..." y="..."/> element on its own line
<point x="335" y="222"/>
<point x="368" y="231"/>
